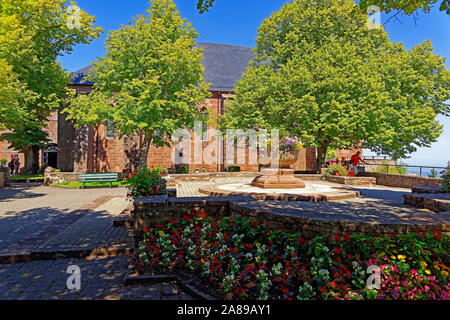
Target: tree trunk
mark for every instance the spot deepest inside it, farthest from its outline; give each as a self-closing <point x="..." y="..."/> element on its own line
<point x="321" y="157"/>
<point x="143" y="152"/>
<point x="31" y="165"/>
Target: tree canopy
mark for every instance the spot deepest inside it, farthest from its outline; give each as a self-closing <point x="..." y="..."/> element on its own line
<point x="33" y="33"/>
<point x="321" y="74"/>
<point x="150" y="81"/>
<point x="406" y="6"/>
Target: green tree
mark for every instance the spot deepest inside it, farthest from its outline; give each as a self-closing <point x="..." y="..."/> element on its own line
<point x="321" y="74"/>
<point x="204" y="5"/>
<point x="33" y="33"/>
<point x="407" y="7"/>
<point x="150" y="81"/>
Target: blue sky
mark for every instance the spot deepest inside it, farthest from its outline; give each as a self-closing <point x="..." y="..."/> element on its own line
<point x="237" y="22"/>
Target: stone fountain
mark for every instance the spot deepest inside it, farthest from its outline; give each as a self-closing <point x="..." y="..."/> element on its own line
<point x="281" y="177"/>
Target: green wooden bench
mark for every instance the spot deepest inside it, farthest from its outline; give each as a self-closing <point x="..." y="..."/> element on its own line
<point x="98" y="177"/>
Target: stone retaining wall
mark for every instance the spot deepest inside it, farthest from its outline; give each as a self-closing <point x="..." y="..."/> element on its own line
<point x="400" y="181"/>
<point x="149" y="211"/>
<point x="354" y="181"/>
<point x="60" y="177"/>
<point x="157" y="210"/>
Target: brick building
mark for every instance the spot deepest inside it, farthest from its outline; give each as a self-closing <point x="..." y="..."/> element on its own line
<point x="99" y="149"/>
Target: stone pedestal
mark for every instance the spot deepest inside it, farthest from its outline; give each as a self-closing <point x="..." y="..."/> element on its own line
<point x="274" y="178"/>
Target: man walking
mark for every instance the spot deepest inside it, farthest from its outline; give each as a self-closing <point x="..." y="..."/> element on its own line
<point x="355" y="160"/>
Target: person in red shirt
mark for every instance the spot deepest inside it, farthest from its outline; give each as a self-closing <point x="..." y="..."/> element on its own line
<point x="355" y="160"/>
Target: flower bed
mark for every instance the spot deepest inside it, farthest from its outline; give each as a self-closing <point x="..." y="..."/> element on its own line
<point x="237" y="258"/>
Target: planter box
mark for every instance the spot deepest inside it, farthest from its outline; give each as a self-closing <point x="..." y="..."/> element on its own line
<point x="353" y="181"/>
<point x="2" y="179"/>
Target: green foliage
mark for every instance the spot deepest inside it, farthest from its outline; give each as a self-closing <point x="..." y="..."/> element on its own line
<point x="150" y="81"/>
<point x="234" y="169"/>
<point x="322" y="75"/>
<point x="331" y="154"/>
<point x="433" y="173"/>
<point x="27" y="177"/>
<point x="33" y="33"/>
<point x="445" y="178"/>
<point x="78" y="185"/>
<point x="183" y="169"/>
<point x="147" y="182"/>
<point x="386" y="168"/>
<point x="204" y="5"/>
<point x="3" y="161"/>
<point x="336" y="169"/>
<point x="407" y="7"/>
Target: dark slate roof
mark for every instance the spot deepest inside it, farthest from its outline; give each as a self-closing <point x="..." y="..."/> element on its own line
<point x="224" y="65"/>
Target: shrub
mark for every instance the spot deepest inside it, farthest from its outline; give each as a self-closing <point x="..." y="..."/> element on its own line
<point x="388" y="169"/>
<point x="147" y="182"/>
<point x="2" y="161"/>
<point x="234" y="169"/>
<point x="336" y="169"/>
<point x="445" y="178"/>
<point x="183" y="169"/>
<point x="245" y="259"/>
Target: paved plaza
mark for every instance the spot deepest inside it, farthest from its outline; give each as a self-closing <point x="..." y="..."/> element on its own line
<point x="37" y="217"/>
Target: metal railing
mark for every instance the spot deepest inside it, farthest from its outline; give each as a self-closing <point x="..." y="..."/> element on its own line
<point x="376" y="158"/>
<point x="420" y="170"/>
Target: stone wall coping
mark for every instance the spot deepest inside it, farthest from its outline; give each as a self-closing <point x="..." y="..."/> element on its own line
<point x="155" y="200"/>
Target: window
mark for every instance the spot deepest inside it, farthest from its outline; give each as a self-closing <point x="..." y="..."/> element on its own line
<point x="204" y="113"/>
<point x="110" y="129"/>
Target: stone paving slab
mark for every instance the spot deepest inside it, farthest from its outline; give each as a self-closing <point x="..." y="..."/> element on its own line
<point x="29" y="215"/>
<point x="101" y="279"/>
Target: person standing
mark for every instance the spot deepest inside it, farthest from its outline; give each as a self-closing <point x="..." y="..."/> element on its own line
<point x="17" y="165"/>
<point x="355" y="160"/>
<point x="11" y="166"/>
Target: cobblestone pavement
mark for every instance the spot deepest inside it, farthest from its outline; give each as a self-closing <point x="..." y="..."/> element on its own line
<point x="30" y="216"/>
<point x="100" y="279"/>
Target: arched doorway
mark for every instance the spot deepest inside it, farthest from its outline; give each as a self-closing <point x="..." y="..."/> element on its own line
<point x="51" y="156"/>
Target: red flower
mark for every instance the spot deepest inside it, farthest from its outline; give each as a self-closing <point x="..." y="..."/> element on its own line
<point x="347" y="236"/>
<point x="146" y="229"/>
<point x="337" y="237"/>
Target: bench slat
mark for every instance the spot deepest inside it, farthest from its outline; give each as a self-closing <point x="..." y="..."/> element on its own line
<point x="98" y="177"/>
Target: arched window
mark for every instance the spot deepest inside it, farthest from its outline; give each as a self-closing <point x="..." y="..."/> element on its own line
<point x="204" y="113"/>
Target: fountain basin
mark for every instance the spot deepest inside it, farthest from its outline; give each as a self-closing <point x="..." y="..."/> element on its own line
<point x="312" y="192"/>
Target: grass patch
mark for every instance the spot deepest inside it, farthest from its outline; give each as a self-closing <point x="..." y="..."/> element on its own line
<point x="92" y="184"/>
<point x="27" y="177"/>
